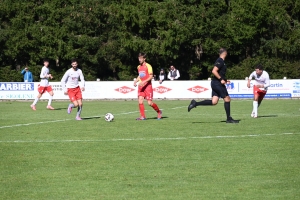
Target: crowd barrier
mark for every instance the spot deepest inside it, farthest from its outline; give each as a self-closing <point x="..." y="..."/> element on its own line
<point x="166" y="90"/>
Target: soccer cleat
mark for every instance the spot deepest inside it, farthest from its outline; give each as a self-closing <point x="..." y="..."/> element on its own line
<point x="253" y="114"/>
<point x="141" y="118"/>
<point x="78" y="118"/>
<point x="159" y="114"/>
<point x="33" y="107"/>
<point x="69" y="108"/>
<point x="230" y="120"/>
<point x="50" y="107"/>
<point x="192" y="105"/>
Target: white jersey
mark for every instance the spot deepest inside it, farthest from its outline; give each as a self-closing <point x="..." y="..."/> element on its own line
<point x="44" y="77"/>
<point x="263" y="79"/>
<point x="70" y="79"/>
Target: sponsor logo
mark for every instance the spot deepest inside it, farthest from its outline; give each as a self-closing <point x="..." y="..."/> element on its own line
<point x="124" y="89"/>
<point x="197" y="89"/>
<point x="161" y="89"/>
<point x="230" y="86"/>
<point x="16" y="86"/>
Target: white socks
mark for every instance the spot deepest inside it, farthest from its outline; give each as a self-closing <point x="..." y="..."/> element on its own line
<point x="35" y="101"/>
<point x="50" y="100"/>
<point x="255" y="106"/>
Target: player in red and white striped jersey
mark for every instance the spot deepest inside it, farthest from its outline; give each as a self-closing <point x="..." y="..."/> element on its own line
<point x="260" y="87"/>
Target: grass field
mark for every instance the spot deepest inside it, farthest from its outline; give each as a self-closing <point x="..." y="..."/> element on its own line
<point x="48" y="155"/>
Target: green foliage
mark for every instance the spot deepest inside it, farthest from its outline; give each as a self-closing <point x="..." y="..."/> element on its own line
<point x="107" y="35"/>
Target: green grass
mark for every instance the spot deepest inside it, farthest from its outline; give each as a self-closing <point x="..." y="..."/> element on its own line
<point x="179" y="157"/>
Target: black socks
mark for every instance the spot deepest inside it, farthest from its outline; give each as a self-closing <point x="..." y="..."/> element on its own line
<point x="204" y="103"/>
<point x="227" y="109"/>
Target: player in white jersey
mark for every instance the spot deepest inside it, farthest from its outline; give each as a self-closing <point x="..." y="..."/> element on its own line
<point x="260" y="87"/>
<point x="71" y="87"/>
<point x="44" y="86"/>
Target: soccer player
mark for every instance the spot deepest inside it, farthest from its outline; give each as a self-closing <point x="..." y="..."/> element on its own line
<point x="44" y="86"/>
<point x="218" y="87"/>
<point x="260" y="87"/>
<point x="70" y="86"/>
<point x="145" y="87"/>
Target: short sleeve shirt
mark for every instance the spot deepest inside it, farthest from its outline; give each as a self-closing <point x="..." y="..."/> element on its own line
<point x="145" y="71"/>
<point x="220" y="64"/>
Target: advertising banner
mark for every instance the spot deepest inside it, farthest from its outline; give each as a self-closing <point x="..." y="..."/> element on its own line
<point x="166" y="90"/>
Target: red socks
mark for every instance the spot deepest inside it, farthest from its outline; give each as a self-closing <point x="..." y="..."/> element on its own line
<point x="142" y="110"/>
<point x="155" y="107"/>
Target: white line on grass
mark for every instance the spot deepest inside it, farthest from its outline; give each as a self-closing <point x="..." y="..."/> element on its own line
<point x="16" y="125"/>
<point x="147" y="139"/>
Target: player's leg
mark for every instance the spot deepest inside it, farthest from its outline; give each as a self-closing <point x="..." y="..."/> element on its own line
<point x="41" y="91"/>
<point x="79" y="109"/>
<point x="72" y="97"/>
<point x="223" y="93"/>
<point x="255" y="101"/>
<point x="79" y="101"/>
<point x="213" y="101"/>
<point x="149" y="96"/>
<point x="141" y="106"/>
<point x="50" y="91"/>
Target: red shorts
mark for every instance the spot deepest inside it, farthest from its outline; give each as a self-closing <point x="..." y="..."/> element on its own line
<point x="42" y="89"/>
<point x="75" y="93"/>
<point x="146" y="92"/>
<point x="261" y="93"/>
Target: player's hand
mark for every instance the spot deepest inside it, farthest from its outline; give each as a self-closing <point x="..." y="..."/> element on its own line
<point x="66" y="93"/>
<point x="82" y="88"/>
<point x="248" y="85"/>
<point x="228" y="82"/>
<point x="142" y="83"/>
<point x="134" y="84"/>
<point x="223" y="82"/>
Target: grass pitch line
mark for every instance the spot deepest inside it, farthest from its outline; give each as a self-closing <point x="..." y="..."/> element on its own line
<point x="16" y="125"/>
<point x="148" y="139"/>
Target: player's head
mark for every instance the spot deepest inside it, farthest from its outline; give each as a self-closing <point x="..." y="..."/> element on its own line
<point x="46" y="62"/>
<point x="259" y="69"/>
<point x="74" y="63"/>
<point x="223" y="52"/>
<point x="142" y="57"/>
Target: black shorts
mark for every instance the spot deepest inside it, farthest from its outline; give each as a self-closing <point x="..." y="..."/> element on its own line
<point x="218" y="89"/>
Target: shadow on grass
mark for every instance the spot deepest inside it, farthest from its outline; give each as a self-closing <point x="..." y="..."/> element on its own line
<point x="60" y="108"/>
<point x="267" y="116"/>
<point x="151" y="118"/>
<point x="214" y="122"/>
<point x="87" y="118"/>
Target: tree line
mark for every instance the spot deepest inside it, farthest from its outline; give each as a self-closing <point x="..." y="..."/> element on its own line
<point x="107" y="35"/>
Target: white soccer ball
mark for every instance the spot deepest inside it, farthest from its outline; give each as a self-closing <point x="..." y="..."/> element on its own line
<point x="109" y="117"/>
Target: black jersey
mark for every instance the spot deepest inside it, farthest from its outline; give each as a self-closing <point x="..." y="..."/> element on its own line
<point x="220" y="64"/>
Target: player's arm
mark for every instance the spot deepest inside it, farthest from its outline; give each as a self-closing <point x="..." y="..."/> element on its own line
<point x="267" y="83"/>
<point x="82" y="81"/>
<point x="215" y="72"/>
<point x="64" y="81"/>
<point x="249" y="79"/>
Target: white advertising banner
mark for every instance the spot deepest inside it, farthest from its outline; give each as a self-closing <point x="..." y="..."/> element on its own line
<point x="166" y="90"/>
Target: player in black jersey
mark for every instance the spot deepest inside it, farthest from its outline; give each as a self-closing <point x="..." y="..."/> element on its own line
<point x="218" y="87"/>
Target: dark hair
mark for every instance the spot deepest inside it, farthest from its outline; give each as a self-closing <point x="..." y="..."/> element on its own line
<point x="222" y="50"/>
<point x="45" y="60"/>
<point x="144" y="55"/>
<point x="74" y="60"/>
<point x="259" y="66"/>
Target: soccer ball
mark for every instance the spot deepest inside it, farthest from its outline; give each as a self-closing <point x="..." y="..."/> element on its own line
<point x="109" y="117"/>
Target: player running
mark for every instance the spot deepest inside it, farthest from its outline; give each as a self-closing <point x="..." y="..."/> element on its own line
<point x="44" y="86"/>
<point x="260" y="87"/>
<point x="218" y="87"/>
<point x="71" y="87"/>
<point x="145" y="87"/>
